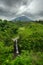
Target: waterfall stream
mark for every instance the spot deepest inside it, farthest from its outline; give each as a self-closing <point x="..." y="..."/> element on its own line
<point x="17" y="51"/>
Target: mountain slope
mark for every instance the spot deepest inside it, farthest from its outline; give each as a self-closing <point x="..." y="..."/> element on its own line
<point x="22" y="18"/>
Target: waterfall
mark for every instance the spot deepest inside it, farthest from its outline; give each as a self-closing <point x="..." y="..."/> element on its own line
<point x="17" y="51"/>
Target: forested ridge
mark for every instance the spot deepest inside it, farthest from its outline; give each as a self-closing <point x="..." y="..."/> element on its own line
<point x="30" y="42"/>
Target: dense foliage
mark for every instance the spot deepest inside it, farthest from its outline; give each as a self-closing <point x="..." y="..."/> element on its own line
<point x="30" y="42"/>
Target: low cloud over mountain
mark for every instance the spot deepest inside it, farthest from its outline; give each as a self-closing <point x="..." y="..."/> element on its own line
<point x="22" y="18"/>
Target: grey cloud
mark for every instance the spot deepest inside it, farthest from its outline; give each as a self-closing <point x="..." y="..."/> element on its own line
<point x="14" y="8"/>
<point x="11" y="3"/>
<point x="11" y="7"/>
<point x="39" y="13"/>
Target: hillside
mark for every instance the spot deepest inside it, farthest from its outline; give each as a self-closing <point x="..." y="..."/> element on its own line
<point x="30" y="43"/>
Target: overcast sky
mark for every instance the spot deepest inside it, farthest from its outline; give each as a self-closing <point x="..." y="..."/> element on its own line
<point x="10" y="9"/>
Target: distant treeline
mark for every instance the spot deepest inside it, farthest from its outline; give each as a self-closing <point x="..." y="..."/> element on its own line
<point x="40" y="21"/>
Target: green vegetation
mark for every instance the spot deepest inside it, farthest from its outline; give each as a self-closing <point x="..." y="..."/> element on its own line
<point x="30" y="42"/>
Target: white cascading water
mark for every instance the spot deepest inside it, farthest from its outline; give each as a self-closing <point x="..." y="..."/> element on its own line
<point x="17" y="51"/>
